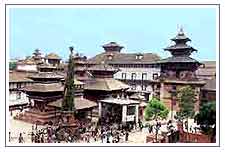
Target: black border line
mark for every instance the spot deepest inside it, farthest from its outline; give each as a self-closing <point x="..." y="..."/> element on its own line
<point x="169" y="4"/>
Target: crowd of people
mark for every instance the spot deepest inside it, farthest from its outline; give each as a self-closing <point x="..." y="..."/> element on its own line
<point x="88" y="132"/>
<point x="84" y="133"/>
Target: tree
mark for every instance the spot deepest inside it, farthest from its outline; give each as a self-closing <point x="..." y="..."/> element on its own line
<point x="12" y="65"/>
<point x="206" y="118"/>
<point x="68" y="101"/>
<point x="155" y="108"/>
<point x="187" y="99"/>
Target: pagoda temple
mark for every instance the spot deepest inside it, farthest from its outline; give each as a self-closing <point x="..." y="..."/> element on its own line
<point x="47" y="88"/>
<point x="177" y="71"/>
<point x="47" y="94"/>
<point x="114" y="104"/>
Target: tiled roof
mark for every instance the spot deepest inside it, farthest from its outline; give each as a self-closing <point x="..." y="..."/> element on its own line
<point x="102" y="67"/>
<point x="180" y="47"/>
<point x="210" y="85"/>
<point x="124" y="58"/>
<point x="46" y="75"/>
<point x="112" y="44"/>
<point x="53" y="56"/>
<point x="179" y="59"/>
<point x="79" y="103"/>
<point x="29" y="61"/>
<point x="137" y="96"/>
<point x="209" y="64"/>
<point x="44" y="87"/>
<point x="105" y="84"/>
<point x="15" y="76"/>
<point x="207" y="70"/>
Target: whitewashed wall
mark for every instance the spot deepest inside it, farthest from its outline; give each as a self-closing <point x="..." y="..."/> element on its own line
<point x="14" y="97"/>
<point x="26" y="67"/>
<point x="138" y="71"/>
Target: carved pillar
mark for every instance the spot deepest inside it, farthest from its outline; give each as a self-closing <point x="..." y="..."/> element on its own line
<point x="124" y="114"/>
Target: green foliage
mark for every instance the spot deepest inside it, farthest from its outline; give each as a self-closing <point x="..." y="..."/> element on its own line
<point x="68" y="102"/>
<point x="206" y="117"/>
<point x="12" y="65"/>
<point x="155" y="109"/>
<point x="187" y="100"/>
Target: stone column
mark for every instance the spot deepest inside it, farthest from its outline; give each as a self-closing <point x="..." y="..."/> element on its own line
<point x="136" y="113"/>
<point x="124" y="114"/>
<point x="100" y="109"/>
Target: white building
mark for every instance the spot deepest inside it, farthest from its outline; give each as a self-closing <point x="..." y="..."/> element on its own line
<point x="136" y="69"/>
<point x="18" y="80"/>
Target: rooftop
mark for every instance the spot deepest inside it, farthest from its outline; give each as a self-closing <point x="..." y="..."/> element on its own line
<point x="15" y="76"/>
<point x="120" y="101"/>
<point x="124" y="58"/>
<point x="102" y="67"/>
<point x="210" y="85"/>
<point x="112" y="44"/>
<point x="181" y="36"/>
<point x="105" y="84"/>
<point x="53" y="56"/>
<point x="45" y="75"/>
<point x="179" y="59"/>
<point x="44" y="87"/>
<point x="79" y="103"/>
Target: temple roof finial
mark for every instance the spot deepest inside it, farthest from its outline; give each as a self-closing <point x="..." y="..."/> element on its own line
<point x="181" y="30"/>
<point x="71" y="49"/>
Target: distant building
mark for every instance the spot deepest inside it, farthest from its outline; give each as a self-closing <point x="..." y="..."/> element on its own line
<point x="207" y="70"/>
<point x="17" y="81"/>
<point x="30" y="63"/>
<point x="135" y="69"/>
<point x="37" y="61"/>
<point x="53" y="59"/>
<point x="208" y="92"/>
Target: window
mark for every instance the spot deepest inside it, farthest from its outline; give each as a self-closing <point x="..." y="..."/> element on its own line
<point x="131" y="110"/>
<point x="18" y="85"/>
<point x="155" y="76"/>
<point x="144" y="76"/>
<point x="124" y="75"/>
<point x="133" y="76"/>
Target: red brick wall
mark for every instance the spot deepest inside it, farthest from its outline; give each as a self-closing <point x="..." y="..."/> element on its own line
<point x="196" y="138"/>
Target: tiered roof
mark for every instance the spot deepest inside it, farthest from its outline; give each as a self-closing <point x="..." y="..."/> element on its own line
<point x="180" y="48"/>
<point x="53" y="56"/>
<point x="46" y="75"/>
<point x="79" y="103"/>
<point x="105" y="84"/>
<point x="15" y="76"/>
<point x="112" y="47"/>
<point x="44" y="87"/>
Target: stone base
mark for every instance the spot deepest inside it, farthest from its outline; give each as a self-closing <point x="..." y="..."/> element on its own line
<point x="40" y="118"/>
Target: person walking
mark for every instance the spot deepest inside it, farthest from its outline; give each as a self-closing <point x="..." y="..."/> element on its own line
<point x="21" y="140"/>
<point x="9" y="136"/>
<point x="126" y="136"/>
